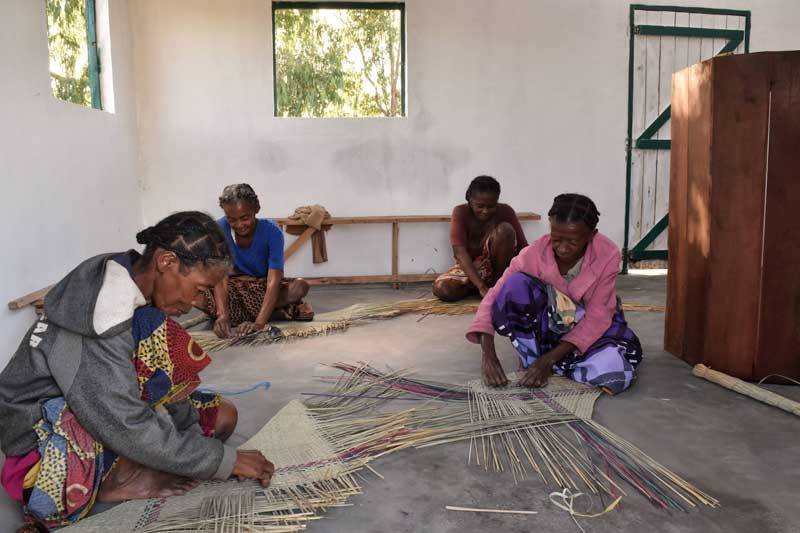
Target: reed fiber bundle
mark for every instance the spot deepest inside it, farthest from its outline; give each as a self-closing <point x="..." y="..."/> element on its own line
<point x="547" y="432"/>
<point x="747" y="389"/>
<point x="341" y="319"/>
<point x="321" y="446"/>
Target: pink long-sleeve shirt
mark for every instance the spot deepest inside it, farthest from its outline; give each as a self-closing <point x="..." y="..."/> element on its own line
<point x="594" y="288"/>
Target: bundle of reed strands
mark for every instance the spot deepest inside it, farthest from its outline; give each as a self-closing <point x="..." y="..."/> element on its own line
<point x="342" y="319"/>
<point x="321" y="447"/>
<point x="325" y="323"/>
<point x="547" y="432"/>
<point x="747" y="389"/>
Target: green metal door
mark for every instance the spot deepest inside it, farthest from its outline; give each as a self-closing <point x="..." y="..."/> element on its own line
<point x="663" y="40"/>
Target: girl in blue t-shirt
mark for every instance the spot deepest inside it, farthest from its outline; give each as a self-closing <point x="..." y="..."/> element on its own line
<point x="256" y="292"/>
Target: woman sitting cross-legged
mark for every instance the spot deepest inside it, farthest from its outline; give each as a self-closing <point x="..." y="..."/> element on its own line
<point x="256" y="292"/>
<point x="485" y="235"/>
<point x="99" y="402"/>
<point x="557" y="303"/>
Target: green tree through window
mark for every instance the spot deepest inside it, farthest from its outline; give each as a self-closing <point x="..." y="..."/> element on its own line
<point x="338" y="61"/>
<point x="72" y="77"/>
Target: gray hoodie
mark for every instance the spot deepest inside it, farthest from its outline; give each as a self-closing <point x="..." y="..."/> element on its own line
<point x="82" y="349"/>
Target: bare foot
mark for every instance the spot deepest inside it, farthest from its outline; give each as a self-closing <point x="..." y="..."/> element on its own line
<point x="35" y="527"/>
<point x="132" y="481"/>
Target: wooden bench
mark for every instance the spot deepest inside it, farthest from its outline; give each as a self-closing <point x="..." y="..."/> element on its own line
<point x="36" y="298"/>
<point x="395" y="277"/>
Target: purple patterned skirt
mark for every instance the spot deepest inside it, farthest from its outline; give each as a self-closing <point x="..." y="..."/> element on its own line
<point x="524" y="313"/>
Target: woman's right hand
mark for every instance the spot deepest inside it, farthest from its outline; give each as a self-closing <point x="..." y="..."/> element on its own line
<point x="251" y="464"/>
<point x="222" y="327"/>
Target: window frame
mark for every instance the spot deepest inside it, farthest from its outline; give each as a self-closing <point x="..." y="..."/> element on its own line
<point x="94" y="57"/>
<point x="386" y="6"/>
<point x="93" y="66"/>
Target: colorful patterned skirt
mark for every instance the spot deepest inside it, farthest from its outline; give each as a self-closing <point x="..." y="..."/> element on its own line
<point x="245" y="296"/>
<point x="483" y="266"/>
<point x="526" y="311"/>
<point x="58" y="481"/>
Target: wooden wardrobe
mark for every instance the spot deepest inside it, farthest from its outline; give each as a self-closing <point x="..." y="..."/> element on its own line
<point x="733" y="288"/>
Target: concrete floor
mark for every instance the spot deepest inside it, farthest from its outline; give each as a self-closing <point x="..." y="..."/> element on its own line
<point x="742" y="452"/>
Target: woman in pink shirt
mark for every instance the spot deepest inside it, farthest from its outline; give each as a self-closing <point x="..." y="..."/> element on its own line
<point x="557" y="303"/>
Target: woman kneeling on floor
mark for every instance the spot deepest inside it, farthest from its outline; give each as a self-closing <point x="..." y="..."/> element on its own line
<point x="99" y="401"/>
<point x="485" y="235"/>
<point x="256" y="292"/>
<point x="557" y="303"/>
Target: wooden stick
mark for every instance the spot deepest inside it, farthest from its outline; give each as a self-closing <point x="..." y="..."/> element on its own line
<point x="747" y="389"/>
<point x="498" y="511"/>
<point x="28" y="299"/>
<point x="298" y="243"/>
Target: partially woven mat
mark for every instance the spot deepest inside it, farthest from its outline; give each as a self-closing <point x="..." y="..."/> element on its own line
<point x="318" y="447"/>
<point x="294" y="443"/>
<point x="570" y="395"/>
<point x="309" y="478"/>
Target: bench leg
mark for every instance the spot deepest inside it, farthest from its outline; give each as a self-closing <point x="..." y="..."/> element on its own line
<point x="289" y="252"/>
<point x="395" y="246"/>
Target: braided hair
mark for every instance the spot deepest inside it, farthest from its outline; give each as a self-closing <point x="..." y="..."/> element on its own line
<point x="191" y="235"/>
<point x="574" y="208"/>
<point x="239" y="192"/>
<point x="483" y="184"/>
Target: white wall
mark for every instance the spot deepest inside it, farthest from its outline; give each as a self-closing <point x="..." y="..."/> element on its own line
<point x="532" y="92"/>
<point x="69" y="174"/>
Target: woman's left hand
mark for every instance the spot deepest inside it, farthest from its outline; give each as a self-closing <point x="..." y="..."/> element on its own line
<point x="246" y="328"/>
<point x="537" y="375"/>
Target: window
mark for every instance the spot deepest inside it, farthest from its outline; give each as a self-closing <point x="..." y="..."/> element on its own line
<point x="338" y="59"/>
<point x="72" y="42"/>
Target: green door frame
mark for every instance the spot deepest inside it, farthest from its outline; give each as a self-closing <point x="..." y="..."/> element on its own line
<point x="645" y="141"/>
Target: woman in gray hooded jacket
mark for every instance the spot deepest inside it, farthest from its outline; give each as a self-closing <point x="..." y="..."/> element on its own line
<point x="99" y="401"/>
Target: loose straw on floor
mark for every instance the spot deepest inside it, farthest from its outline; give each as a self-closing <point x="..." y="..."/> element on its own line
<point x="747" y="389"/>
<point x="497" y="511"/>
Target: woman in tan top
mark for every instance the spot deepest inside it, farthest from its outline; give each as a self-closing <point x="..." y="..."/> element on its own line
<point x="485" y="236"/>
